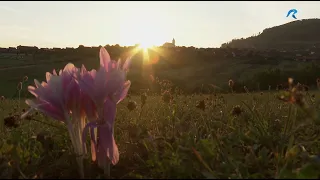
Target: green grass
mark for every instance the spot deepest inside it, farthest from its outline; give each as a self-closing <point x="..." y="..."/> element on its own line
<point x="190" y="74"/>
<point x="13" y="70"/>
<point x="268" y="139"/>
<point x="177" y="140"/>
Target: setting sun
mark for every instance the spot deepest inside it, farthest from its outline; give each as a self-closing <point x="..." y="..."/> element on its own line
<point x="151" y="29"/>
<point x="145" y="45"/>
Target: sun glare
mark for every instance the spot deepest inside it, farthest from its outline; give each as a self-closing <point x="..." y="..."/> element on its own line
<point x="145" y="45"/>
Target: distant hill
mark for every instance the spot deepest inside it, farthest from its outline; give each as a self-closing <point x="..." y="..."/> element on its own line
<point x="300" y="34"/>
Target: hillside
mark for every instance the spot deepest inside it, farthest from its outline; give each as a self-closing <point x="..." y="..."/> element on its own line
<point x="294" y="35"/>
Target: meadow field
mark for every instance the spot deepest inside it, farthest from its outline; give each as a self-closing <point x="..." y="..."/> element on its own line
<point x="219" y="133"/>
<point x="249" y="135"/>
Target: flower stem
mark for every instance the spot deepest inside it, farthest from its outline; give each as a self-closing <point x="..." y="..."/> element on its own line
<point x="80" y="166"/>
<point x="76" y="148"/>
<point x="106" y="168"/>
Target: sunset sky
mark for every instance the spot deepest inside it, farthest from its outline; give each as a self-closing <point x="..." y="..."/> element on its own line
<point x="199" y="24"/>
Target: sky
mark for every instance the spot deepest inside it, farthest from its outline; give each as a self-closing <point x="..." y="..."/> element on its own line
<point x="93" y="23"/>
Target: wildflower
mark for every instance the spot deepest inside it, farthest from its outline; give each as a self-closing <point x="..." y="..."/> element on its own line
<point x="299" y="87"/>
<point x="45" y="140"/>
<point x="231" y="83"/>
<point x="293" y="152"/>
<point x="19" y="86"/>
<point x="11" y="121"/>
<point x="166" y="97"/>
<point x="106" y="87"/>
<point x="246" y="89"/>
<point x="201" y="105"/>
<point x="152" y="78"/>
<point x="25" y="78"/>
<point x="293" y="95"/>
<point x="143" y="98"/>
<point x="290" y="81"/>
<point x="275" y="125"/>
<point x="60" y="98"/>
<point x="236" y="111"/>
<point x="318" y="83"/>
<point x="279" y="87"/>
<point x="132" y="105"/>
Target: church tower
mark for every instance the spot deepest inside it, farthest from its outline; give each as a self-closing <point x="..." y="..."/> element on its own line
<point x="173" y="41"/>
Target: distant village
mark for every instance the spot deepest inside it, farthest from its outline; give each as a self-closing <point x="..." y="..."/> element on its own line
<point x="34" y="49"/>
<point x="311" y="54"/>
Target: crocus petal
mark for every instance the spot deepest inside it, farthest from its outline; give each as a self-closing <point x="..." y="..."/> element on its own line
<point x="89" y="107"/>
<point x="108" y="144"/>
<point x="37" y="83"/>
<point x="109" y="110"/>
<point x="112" y="65"/>
<point x="68" y="73"/>
<point x="101" y="156"/>
<point x="101" y="93"/>
<point x="32" y="89"/>
<point x="119" y="64"/>
<point x="73" y="100"/>
<point x="86" y="130"/>
<point x="104" y="58"/>
<point x="48" y="76"/>
<point x="93" y="144"/>
<point x="54" y="72"/>
<point x="55" y="85"/>
<point x="93" y="151"/>
<point x="86" y="83"/>
<point x="83" y="69"/>
<point x="126" y="64"/>
<point x="117" y="78"/>
<point x="44" y="93"/>
<point x="124" y="91"/>
<point x="69" y="67"/>
<point x="26" y="113"/>
<point x="46" y="108"/>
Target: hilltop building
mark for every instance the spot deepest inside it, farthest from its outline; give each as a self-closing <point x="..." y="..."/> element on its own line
<point x="169" y="45"/>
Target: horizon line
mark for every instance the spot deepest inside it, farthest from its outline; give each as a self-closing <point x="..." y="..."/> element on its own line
<point x="97" y="46"/>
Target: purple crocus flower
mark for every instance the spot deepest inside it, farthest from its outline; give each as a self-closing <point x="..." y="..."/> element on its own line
<point x="106" y="87"/>
<point x="61" y="98"/>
